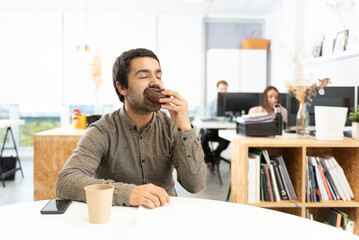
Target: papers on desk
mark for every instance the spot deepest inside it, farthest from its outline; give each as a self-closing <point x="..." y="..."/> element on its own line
<point x="208" y="119"/>
<point x="248" y="119"/>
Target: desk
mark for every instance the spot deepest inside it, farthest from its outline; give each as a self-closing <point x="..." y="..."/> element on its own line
<point x="213" y="124"/>
<point x="8" y="124"/>
<point x="52" y="148"/>
<point x="184" y="218"/>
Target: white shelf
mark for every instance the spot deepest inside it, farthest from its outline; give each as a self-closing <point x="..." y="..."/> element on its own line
<point x="336" y="56"/>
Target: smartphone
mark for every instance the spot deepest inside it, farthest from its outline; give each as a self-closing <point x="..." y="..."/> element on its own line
<point x="56" y="206"/>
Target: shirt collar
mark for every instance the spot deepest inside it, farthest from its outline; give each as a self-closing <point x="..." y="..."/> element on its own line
<point x="130" y="124"/>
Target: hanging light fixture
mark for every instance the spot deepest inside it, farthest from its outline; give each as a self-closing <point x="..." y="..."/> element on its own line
<point x="83" y="49"/>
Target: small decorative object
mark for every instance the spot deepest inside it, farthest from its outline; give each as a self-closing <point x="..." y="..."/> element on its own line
<point x="78" y="119"/>
<point x="341" y="41"/>
<point x="304" y="95"/>
<point x="302" y="121"/>
<point x="302" y="87"/>
<point x="354" y="117"/>
<point x="317" y="49"/>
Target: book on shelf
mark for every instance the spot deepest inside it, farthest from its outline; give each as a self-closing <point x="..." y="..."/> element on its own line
<point x="268" y="183"/>
<point x="253" y="178"/>
<point x="343" y="177"/>
<point x="350" y="226"/>
<point x="337" y="178"/>
<point x="282" y="191"/>
<point x="318" y="179"/>
<point x="333" y="217"/>
<point x="344" y="221"/>
<point x="325" y="180"/>
<point x="264" y="191"/>
<point x="272" y="176"/>
<point x="256" y="178"/>
<point x="328" y="171"/>
<point x="287" y="181"/>
<point x="264" y="185"/>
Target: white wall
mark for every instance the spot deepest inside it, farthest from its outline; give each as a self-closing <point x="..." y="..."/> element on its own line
<point x="304" y="21"/>
<point x="40" y="67"/>
<point x="180" y="50"/>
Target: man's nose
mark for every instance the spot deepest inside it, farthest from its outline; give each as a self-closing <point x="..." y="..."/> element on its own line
<point x="154" y="81"/>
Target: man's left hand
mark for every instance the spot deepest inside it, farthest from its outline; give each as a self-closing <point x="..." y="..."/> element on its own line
<point x="178" y="108"/>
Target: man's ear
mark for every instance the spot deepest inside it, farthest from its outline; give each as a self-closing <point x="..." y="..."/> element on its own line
<point x="120" y="88"/>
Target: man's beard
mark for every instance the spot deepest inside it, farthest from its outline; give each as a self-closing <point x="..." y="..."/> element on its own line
<point x="142" y="105"/>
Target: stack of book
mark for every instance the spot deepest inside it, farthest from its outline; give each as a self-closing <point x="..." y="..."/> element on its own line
<point x="268" y="178"/>
<point x="325" y="180"/>
<point x="339" y="219"/>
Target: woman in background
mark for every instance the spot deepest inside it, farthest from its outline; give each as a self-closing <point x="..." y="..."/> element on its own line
<point x="269" y="98"/>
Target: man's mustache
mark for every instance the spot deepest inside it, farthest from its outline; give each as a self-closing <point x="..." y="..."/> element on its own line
<point x="155" y="87"/>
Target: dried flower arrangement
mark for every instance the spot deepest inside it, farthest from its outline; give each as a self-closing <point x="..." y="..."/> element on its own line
<point x="342" y="9"/>
<point x="96" y="71"/>
<point x="96" y="76"/>
<point x="302" y="86"/>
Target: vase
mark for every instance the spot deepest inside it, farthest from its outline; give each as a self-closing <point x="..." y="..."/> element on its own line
<point x="355" y="130"/>
<point x="302" y="122"/>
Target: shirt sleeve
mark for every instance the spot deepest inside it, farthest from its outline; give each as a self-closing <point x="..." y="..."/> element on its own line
<point x="188" y="159"/>
<point x="211" y="110"/>
<point x="80" y="168"/>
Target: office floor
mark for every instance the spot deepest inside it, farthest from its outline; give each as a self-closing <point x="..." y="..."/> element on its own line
<point x="22" y="189"/>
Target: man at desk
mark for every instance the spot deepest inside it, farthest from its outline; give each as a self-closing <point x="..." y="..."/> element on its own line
<point x="137" y="147"/>
<point x="212" y="134"/>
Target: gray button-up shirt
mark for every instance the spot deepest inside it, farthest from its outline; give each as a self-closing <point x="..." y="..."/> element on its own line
<point x="113" y="151"/>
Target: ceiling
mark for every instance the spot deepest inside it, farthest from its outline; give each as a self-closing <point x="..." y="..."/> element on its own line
<point x="209" y="7"/>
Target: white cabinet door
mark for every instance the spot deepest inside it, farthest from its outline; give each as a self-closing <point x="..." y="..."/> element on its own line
<point x="244" y="70"/>
<point x="253" y="70"/>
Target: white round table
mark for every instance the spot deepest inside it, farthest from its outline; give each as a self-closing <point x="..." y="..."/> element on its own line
<point x="183" y="218"/>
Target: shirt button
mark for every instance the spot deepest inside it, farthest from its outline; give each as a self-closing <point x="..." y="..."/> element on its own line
<point x="184" y="139"/>
<point x="144" y="160"/>
<point x="189" y="156"/>
<point x="140" y="137"/>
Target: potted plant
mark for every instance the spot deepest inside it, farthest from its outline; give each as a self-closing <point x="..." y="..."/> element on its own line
<point x="354" y="117"/>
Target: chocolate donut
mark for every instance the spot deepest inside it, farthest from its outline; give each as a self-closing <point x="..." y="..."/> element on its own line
<point x="154" y="94"/>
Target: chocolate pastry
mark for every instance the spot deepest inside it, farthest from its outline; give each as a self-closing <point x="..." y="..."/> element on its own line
<point x="154" y="94"/>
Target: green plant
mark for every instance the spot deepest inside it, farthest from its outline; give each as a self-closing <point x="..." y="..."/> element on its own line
<point x="354" y="115"/>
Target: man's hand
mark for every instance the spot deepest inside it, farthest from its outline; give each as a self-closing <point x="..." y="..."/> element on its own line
<point x="178" y="108"/>
<point x="149" y="195"/>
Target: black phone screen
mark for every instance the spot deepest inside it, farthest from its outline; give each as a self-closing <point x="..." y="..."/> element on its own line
<point x="56" y="206"/>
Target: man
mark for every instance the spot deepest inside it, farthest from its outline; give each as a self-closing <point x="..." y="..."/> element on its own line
<point x="211" y="110"/>
<point x="136" y="148"/>
<point x="212" y="134"/>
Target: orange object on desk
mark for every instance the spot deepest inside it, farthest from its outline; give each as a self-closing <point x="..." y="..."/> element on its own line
<point x="78" y="119"/>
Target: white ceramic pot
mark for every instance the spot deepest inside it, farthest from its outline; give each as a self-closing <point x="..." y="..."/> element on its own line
<point x="355" y="130"/>
<point x="329" y="122"/>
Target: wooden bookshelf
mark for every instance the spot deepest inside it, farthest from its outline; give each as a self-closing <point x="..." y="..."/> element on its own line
<point x="294" y="151"/>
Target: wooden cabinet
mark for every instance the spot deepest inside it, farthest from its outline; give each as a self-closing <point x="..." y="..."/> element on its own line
<point x="52" y="148"/>
<point x="294" y="151"/>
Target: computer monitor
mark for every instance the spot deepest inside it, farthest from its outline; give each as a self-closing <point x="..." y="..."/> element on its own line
<point x="333" y="96"/>
<point x="236" y="103"/>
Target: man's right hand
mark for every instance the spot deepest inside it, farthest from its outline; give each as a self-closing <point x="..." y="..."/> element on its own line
<point x="149" y="195"/>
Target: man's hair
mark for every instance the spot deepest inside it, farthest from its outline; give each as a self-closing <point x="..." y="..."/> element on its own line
<point x="222" y="82"/>
<point x="264" y="97"/>
<point x="121" y="67"/>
